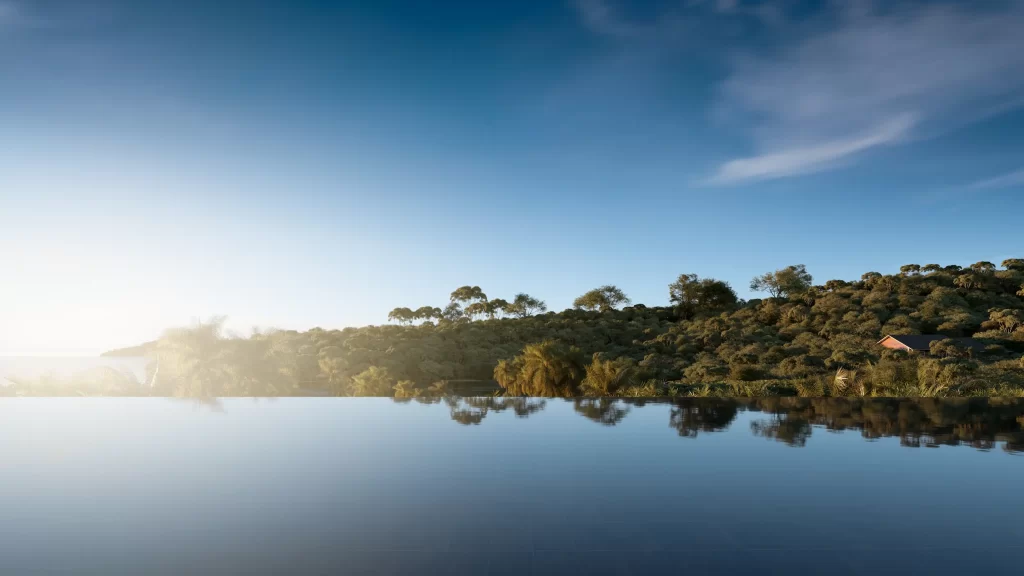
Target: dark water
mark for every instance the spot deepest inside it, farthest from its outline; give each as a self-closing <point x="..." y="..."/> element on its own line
<point x="371" y="486"/>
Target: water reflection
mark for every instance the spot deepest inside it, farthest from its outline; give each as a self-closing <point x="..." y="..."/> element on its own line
<point x="982" y="423"/>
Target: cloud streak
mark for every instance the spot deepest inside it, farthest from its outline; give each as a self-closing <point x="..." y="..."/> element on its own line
<point x="821" y="156"/>
<point x="870" y="81"/>
<point x="1011" y="180"/>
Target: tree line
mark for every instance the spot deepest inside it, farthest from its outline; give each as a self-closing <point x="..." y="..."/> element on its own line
<point x="801" y="339"/>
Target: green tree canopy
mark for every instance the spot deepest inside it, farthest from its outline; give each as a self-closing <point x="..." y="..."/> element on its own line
<point x="373" y="381"/>
<point x="692" y="295"/>
<point x="468" y="294"/>
<point x="1014" y="264"/>
<point x="402" y="315"/>
<point x="602" y="299"/>
<point x="427" y="313"/>
<point x="783" y="282"/>
<point x="524" y="305"/>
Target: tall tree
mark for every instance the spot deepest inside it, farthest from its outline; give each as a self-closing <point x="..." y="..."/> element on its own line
<point x="603" y="299"/>
<point x="685" y="291"/>
<point x="1014" y="264"/>
<point x="468" y="294"/>
<point x="496" y="306"/>
<point x="452" y="313"/>
<point x="477" y="309"/>
<point x="427" y="313"/>
<point x="691" y="295"/>
<point x="983" y="267"/>
<point x="524" y="305"/>
<point x="402" y="315"/>
<point x="783" y="282"/>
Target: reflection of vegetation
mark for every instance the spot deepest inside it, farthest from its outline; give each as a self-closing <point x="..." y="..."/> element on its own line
<point x="100" y="381"/>
<point x="473" y="410"/>
<point x="691" y="416"/>
<point x="792" y="431"/>
<point x="977" y="422"/>
<point x="606" y="411"/>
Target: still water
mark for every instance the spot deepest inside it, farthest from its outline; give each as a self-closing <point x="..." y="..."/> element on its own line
<point x="492" y="486"/>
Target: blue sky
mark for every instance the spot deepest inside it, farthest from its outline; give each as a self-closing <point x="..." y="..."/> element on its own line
<point x="299" y="164"/>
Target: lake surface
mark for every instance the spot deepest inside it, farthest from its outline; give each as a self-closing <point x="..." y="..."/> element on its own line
<point x="492" y="486"/>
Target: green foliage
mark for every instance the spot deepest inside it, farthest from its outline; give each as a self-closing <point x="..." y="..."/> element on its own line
<point x="704" y="344"/>
<point x="691" y="295"/>
<point x="948" y="349"/>
<point x="783" y="282"/>
<point x="402" y="315"/>
<point x="603" y="299"/>
<point x="910" y="269"/>
<point x="373" y="381"/>
<point x="606" y="377"/>
<point x="547" y="368"/>
<point x="468" y="294"/>
<point x="524" y="305"/>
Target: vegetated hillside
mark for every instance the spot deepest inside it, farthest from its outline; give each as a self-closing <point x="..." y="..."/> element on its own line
<point x="803" y="339"/>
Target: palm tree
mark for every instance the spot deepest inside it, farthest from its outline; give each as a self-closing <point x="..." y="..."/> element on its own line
<point x="549" y="369"/>
<point x="193" y="361"/>
<point x="605" y="377"/>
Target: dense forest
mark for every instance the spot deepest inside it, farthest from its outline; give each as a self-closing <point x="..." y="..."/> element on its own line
<point x="801" y="339"/>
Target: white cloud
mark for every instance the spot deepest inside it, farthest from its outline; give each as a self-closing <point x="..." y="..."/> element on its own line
<point x="833" y="94"/>
<point x="1010" y="180"/>
<point x="821" y="156"/>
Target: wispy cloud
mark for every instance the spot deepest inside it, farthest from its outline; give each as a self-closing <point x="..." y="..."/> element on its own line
<point x="821" y="156"/>
<point x="1011" y="180"/>
<point x="870" y="81"/>
<point x="8" y="13"/>
<point x="602" y="18"/>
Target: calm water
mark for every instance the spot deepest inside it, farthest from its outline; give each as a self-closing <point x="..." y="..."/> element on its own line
<point x="371" y="486"/>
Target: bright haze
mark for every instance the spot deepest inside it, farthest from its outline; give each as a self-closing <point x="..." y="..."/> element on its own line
<point x="307" y="163"/>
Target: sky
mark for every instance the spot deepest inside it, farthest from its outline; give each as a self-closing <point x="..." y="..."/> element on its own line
<point x="297" y="163"/>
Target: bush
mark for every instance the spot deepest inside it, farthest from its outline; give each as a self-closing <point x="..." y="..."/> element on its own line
<point x="744" y="372"/>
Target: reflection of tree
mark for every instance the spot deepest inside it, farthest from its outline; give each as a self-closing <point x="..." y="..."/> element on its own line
<point x="99" y="381"/>
<point x="981" y="423"/>
<point x="693" y="415"/>
<point x="472" y="410"/>
<point x="917" y="422"/>
<point x="605" y="411"/>
<point x="521" y="407"/>
<point x="792" y="431"/>
<point x="211" y="404"/>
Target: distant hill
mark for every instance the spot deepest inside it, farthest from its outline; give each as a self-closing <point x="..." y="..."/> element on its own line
<point x="132" y="351"/>
<point x="804" y="339"/>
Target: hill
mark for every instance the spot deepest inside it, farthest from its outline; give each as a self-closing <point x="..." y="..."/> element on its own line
<point x="803" y="339"/>
<point x="139" y="351"/>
